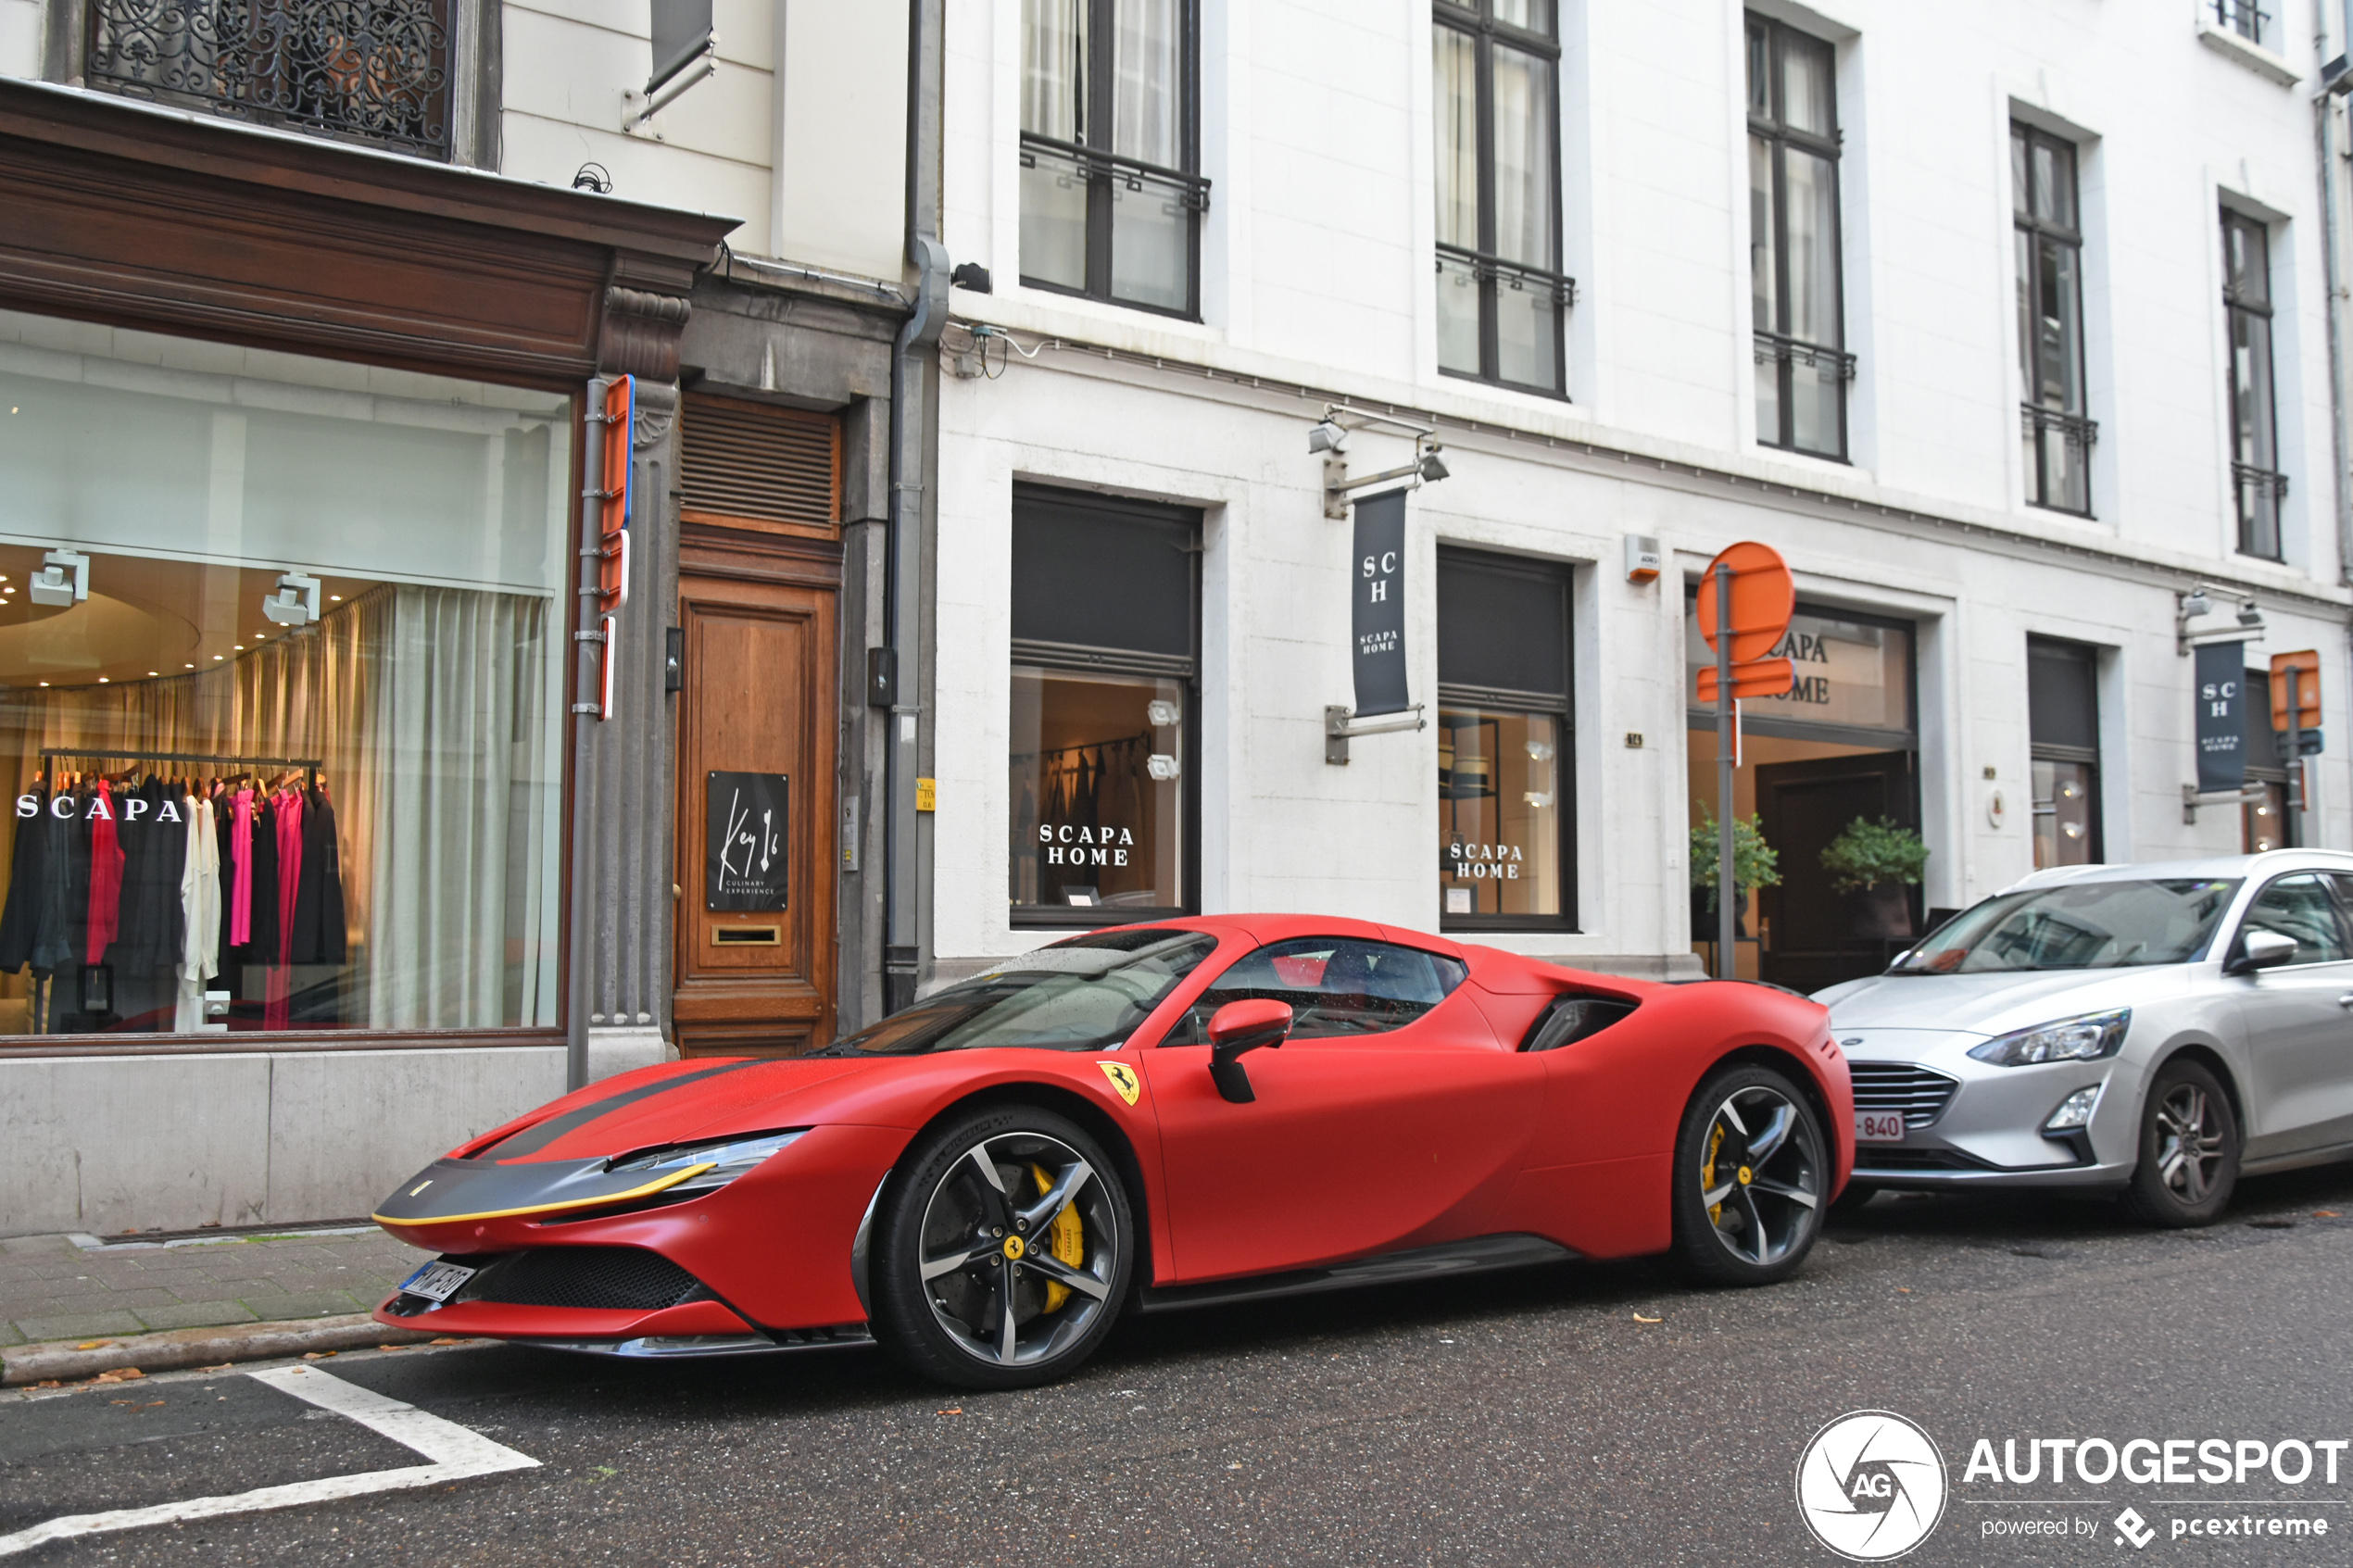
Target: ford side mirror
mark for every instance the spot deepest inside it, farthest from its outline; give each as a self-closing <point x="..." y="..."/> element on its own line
<point x="2262" y="949"/>
<point x="1239" y="1027"/>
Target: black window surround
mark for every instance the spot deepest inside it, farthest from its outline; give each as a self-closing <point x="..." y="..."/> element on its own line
<point x="1093" y="634"/>
<point x="2257" y="484"/>
<point x="1484" y="670"/>
<point x="2063" y="718"/>
<point x="2047" y="215"/>
<point x="1530" y="289"/>
<point x="1088" y="157"/>
<point x="1803" y="368"/>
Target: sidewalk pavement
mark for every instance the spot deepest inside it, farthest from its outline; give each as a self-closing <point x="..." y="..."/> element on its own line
<point x="54" y="1288"/>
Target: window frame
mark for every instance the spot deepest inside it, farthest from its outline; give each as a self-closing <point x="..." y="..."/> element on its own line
<point x="2037" y="418"/>
<point x="2332" y="893"/>
<point x="1476" y="19"/>
<point x="2249" y="480"/>
<point x="2245" y="18"/>
<point x="2086" y="757"/>
<point x="1087" y="660"/>
<point x="1558" y="706"/>
<point x="1772" y="341"/>
<point x="1100" y="165"/>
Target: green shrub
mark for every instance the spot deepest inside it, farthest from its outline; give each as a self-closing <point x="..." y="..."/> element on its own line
<point x="1755" y="862"/>
<point x="1868" y="853"/>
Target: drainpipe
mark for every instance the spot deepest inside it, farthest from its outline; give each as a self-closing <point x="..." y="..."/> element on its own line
<point x="2337" y="79"/>
<point x="903" y="612"/>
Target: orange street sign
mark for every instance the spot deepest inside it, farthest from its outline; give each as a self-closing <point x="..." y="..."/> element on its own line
<point x="1764" y="597"/>
<point x="2307" y="666"/>
<point x="1766" y="677"/>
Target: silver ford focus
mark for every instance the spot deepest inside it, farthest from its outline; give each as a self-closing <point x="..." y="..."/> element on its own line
<point x="2155" y="1030"/>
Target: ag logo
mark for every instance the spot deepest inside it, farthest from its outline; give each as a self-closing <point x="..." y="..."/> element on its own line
<point x="1870" y="1486"/>
<point x="1123" y="1078"/>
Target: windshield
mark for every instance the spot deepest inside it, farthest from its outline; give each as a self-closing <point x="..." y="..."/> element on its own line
<point x="2077" y="925"/>
<point x="1088" y="993"/>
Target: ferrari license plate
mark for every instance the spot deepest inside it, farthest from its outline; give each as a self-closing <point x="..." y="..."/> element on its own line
<point x="1879" y="1126"/>
<point x="438" y="1281"/>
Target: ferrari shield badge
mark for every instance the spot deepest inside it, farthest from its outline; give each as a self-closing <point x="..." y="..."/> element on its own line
<point x="1123" y="1078"/>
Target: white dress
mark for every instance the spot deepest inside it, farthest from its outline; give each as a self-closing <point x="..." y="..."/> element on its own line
<point x="200" y="904"/>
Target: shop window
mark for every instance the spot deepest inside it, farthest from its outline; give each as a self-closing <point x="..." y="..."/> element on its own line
<point x="1802" y="371"/>
<point x="2048" y="230"/>
<point x="284" y="718"/>
<point x="2264" y="820"/>
<point x="1506" y="858"/>
<point x="2063" y="721"/>
<point x="1111" y="201"/>
<point x="1100" y="777"/>
<point x="1501" y="297"/>
<point x="2255" y="480"/>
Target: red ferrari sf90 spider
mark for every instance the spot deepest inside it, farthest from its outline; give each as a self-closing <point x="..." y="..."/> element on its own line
<point x="1193" y="1111"/>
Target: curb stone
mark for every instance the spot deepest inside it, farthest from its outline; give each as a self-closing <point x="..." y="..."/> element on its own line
<point x="63" y="1361"/>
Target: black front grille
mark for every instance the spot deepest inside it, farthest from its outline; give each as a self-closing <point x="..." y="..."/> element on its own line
<point x="620" y="1278"/>
<point x="1919" y="1093"/>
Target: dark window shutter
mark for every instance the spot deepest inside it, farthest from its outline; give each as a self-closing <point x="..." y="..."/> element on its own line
<point x="1096" y="572"/>
<point x="1502" y="624"/>
<point x="753" y="460"/>
<point x="2062" y="701"/>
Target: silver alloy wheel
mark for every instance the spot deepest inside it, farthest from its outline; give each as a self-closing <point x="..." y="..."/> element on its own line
<point x="1759" y="1178"/>
<point x="989" y="1242"/>
<point x="2189" y="1143"/>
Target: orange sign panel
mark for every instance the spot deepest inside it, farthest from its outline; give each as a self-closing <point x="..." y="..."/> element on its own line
<point x="1764" y="597"/>
<point x="2307" y="666"/>
<point x="1763" y="677"/>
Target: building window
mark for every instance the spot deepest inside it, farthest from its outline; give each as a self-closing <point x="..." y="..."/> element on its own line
<point x="286" y="739"/>
<point x="376" y="71"/>
<point x="2050" y="322"/>
<point x="1505" y="852"/>
<point x="2264" y="821"/>
<point x="2245" y="18"/>
<point x="1802" y="371"/>
<point x="2255" y="480"/>
<point x="1111" y="203"/>
<point x="2063" y="723"/>
<point x="1101" y="768"/>
<point x="1501" y="297"/>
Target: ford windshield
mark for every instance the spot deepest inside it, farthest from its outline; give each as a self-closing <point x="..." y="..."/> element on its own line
<point x="2078" y="926"/>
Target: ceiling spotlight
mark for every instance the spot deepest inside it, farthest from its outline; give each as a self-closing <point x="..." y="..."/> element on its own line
<point x="1325" y="435"/>
<point x="294" y="602"/>
<point x="102" y="681"/>
<point x="337" y="597"/>
<point x="1433" y="466"/>
<point x="159" y="672"/>
<point x="218" y="657"/>
<point x="64" y="578"/>
<point x="187" y="666"/>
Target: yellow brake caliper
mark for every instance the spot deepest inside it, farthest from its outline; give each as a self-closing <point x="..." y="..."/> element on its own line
<point x="1066" y="1237"/>
<point x="1707" y="1171"/>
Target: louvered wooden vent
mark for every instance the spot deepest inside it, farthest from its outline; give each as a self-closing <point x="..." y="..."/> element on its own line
<point x="755" y="461"/>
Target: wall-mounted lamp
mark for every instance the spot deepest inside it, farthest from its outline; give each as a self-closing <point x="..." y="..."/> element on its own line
<point x="294" y="602"/>
<point x="1324" y="435"/>
<point x="64" y="579"/>
<point x="2250" y="617"/>
<point x="1330" y="435"/>
<point x="2199" y="601"/>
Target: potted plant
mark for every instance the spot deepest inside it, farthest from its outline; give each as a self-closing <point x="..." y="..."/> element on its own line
<point x="1874" y="863"/>
<point x="1755" y="864"/>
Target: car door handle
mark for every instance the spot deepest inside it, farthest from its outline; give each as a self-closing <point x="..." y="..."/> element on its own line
<point x="2346" y="1000"/>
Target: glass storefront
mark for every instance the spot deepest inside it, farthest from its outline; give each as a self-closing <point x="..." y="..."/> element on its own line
<point x="280" y="656"/>
<point x="1503" y="853"/>
<point x="1099" y="765"/>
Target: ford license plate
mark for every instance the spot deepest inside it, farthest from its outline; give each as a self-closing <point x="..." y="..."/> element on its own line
<point x="438" y="1281"/>
<point x="1879" y="1126"/>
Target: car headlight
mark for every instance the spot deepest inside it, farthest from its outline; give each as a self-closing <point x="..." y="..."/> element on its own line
<point x="2073" y="1039"/>
<point x="728" y="1158"/>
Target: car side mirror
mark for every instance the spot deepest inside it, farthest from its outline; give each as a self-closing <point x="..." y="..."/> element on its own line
<point x="1239" y="1027"/>
<point x="2261" y="950"/>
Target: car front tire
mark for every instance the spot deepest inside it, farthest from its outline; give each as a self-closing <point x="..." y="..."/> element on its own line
<point x="1003" y="1252"/>
<point x="1752" y="1173"/>
<point x="2189" y="1150"/>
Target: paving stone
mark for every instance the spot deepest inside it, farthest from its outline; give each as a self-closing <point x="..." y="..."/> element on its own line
<point x="35" y="1246"/>
<point x="82" y="1325"/>
<point x="318" y="1304"/>
<point x="195" y="1315"/>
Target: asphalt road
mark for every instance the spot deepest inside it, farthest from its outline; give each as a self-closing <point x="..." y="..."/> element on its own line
<point x="1525" y="1418"/>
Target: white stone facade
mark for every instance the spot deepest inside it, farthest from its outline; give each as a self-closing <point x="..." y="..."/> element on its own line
<point x="1317" y="284"/>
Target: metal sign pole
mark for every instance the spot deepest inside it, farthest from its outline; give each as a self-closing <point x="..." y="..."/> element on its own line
<point x="2294" y="763"/>
<point x="1727" y="917"/>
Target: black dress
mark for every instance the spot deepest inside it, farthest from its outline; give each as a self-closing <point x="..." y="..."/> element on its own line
<point x="319" y="936"/>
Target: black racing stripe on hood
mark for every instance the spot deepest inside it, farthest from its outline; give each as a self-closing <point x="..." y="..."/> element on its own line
<point x="539" y="1135"/>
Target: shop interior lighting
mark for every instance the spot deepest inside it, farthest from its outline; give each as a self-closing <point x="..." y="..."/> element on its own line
<point x="64" y="578"/>
<point x="294" y="602"/>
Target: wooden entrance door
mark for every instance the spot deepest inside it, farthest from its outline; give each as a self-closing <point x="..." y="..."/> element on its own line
<point x="758" y="706"/>
<point x="1820" y="935"/>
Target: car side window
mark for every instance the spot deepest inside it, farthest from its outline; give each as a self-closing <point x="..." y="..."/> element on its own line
<point x="1335" y="985"/>
<point x="2299" y="907"/>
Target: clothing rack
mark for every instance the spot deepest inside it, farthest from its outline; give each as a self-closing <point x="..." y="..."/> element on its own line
<point x="1082" y="747"/>
<point x="309" y="765"/>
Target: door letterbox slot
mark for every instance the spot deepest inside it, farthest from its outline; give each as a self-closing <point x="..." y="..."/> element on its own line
<point x="748" y="935"/>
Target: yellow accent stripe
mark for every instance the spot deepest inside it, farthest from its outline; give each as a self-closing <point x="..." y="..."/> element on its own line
<point x="664" y="1185"/>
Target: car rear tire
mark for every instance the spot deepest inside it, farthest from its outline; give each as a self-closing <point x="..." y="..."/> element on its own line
<point x="1751" y="1169"/>
<point x="1003" y="1251"/>
<point x="2189" y="1150"/>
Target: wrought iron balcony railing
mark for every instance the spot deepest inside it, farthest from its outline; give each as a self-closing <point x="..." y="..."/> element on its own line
<point x="1772" y="347"/>
<point x="2245" y="18"/>
<point x="2257" y="494"/>
<point x="1190" y="191"/>
<point x="368" y="70"/>
<point x="2059" y="454"/>
<point x="1558" y="287"/>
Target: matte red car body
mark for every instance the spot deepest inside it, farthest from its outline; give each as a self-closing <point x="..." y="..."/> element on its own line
<point x="1440" y="1131"/>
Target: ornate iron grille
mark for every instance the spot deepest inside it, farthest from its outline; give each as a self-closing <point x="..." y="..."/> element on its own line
<point x="369" y="70"/>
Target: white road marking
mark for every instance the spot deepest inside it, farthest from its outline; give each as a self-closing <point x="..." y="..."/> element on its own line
<point x="455" y="1453"/>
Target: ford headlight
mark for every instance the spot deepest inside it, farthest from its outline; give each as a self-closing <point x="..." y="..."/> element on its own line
<point x="2074" y="1039"/>
<point x="727" y="1158"/>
